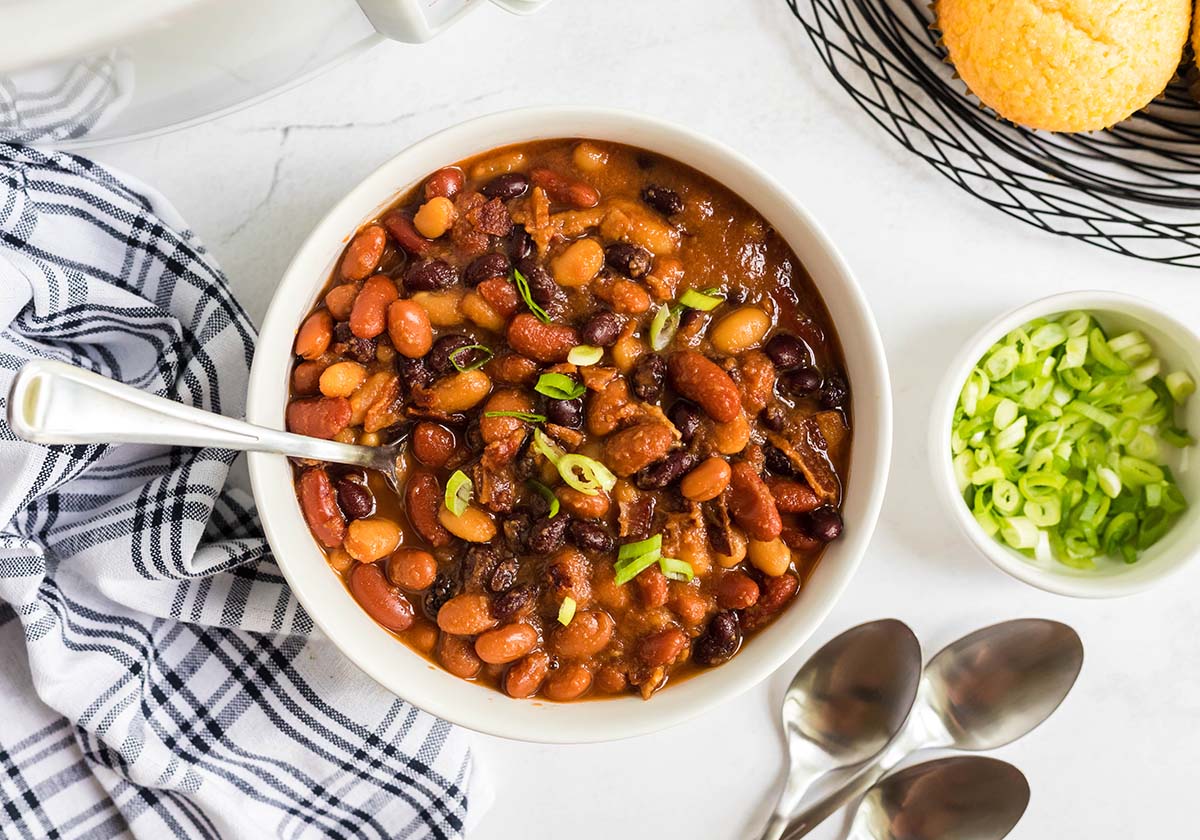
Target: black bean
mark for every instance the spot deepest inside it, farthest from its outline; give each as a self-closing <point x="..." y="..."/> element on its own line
<point x="777" y="462"/>
<point x="441" y="591"/>
<point x="689" y="322"/>
<point x="802" y="382"/>
<point x="548" y="534"/>
<point x="666" y="472"/>
<point x="476" y="566"/>
<point x="513" y="602"/>
<point x="630" y="260"/>
<point x="719" y="641"/>
<point x="735" y="296"/>
<point x="520" y="243"/>
<point x="567" y="413"/>
<point x="774" y="417"/>
<point x="342" y="333"/>
<point x="650" y="377"/>
<point x="591" y="536"/>
<point x="504" y="575"/>
<point x="516" y="531"/>
<point x="430" y="275"/>
<point x="506" y="186"/>
<point x="473" y="437"/>
<point x="356" y="500"/>
<point x="413" y="372"/>
<point x="824" y="524"/>
<point x="538" y="505"/>
<point x="662" y="199"/>
<point x="835" y="393"/>
<point x="361" y="349"/>
<point x="686" y="417"/>
<point x="602" y="329"/>
<point x="542" y="287"/>
<point x="396" y="431"/>
<point x="787" y="351"/>
<point x="485" y="268"/>
<point x="439" y="355"/>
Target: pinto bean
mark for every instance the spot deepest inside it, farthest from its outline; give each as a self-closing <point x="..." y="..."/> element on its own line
<point x="422" y="500"/>
<point x="578" y="263"/>
<point x="466" y="615"/>
<point x="512" y="369"/>
<point x="457" y="656"/>
<point x="581" y="505"/>
<point x="500" y="294"/>
<point x="340" y="300"/>
<point x="432" y="444"/>
<point x="506" y="644"/>
<point x="792" y="496"/>
<point x="526" y="676"/>
<point x="587" y="634"/>
<point x="732" y="437"/>
<point x="314" y="335"/>
<point x="412" y="568"/>
<point x="702" y="381"/>
<point x="706" y="481"/>
<point x="318" y="502"/>
<point x="663" y="647"/>
<point x="368" y="318"/>
<point x="379" y="599"/>
<point x="568" y="683"/>
<point x="364" y="253"/>
<point x="493" y="429"/>
<point x="320" y="418"/>
<point x="629" y="450"/>
<point x="409" y="328"/>
<point x="459" y="392"/>
<point x="653" y="588"/>
<point x="751" y="504"/>
<point x="543" y="342"/>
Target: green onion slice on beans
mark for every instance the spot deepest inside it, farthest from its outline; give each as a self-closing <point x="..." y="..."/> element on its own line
<point x="676" y="569"/>
<point x="566" y="611"/>
<point x="458" y="492"/>
<point x="1059" y="439"/>
<point x="527" y="416"/>
<point x="523" y="289"/>
<point x="558" y="386"/>
<point x="551" y="450"/>
<point x="704" y="301"/>
<point x="634" y="558"/>
<point x="467" y="352"/>
<point x="547" y="494"/>
<point x="587" y="475"/>
<point x="663" y="327"/>
<point x="585" y="355"/>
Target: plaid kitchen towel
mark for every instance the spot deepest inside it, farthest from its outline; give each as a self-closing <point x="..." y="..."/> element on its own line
<point x="157" y="678"/>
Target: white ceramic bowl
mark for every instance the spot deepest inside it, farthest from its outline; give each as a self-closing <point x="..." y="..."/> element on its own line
<point x="1177" y="347"/>
<point x="408" y="675"/>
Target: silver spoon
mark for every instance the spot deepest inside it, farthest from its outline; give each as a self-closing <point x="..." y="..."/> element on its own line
<point x="979" y="693"/>
<point x="56" y="403"/>
<point x="844" y="705"/>
<point x="959" y="798"/>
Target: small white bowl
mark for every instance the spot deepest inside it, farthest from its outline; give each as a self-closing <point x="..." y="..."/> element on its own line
<point x="407" y="674"/>
<point x="1177" y="347"/>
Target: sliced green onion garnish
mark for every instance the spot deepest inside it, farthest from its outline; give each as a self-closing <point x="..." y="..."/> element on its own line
<point x="676" y="569"/>
<point x="523" y="289"/>
<point x="466" y="352"/>
<point x="663" y="327"/>
<point x="566" y="611"/>
<point x="704" y="301"/>
<point x="1180" y="385"/>
<point x="587" y="475"/>
<point x="558" y="386"/>
<point x="547" y="494"/>
<point x="627" y="571"/>
<point x="547" y="447"/>
<point x="527" y="416"/>
<point x="637" y="549"/>
<point x="585" y="355"/>
<point x="458" y="492"/>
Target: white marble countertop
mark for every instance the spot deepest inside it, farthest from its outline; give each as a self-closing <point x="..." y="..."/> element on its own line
<point x="1117" y="761"/>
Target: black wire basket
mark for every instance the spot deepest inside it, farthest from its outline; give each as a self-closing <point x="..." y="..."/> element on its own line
<point x="1133" y="189"/>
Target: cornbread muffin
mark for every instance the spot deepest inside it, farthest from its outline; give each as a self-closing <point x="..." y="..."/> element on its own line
<point x="1065" y="65"/>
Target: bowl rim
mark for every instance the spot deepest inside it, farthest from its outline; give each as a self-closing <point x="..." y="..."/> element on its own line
<point x="536" y="721"/>
<point x="942" y="466"/>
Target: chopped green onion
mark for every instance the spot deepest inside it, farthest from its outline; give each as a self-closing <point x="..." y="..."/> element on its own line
<point x="468" y="350"/>
<point x="566" y="611"/>
<point x="585" y="355"/>
<point x="558" y="386"/>
<point x="527" y="416"/>
<point x="637" y="549"/>
<point x="547" y="447"/>
<point x="547" y="494"/>
<point x="458" y="492"/>
<point x="703" y="301"/>
<point x="630" y="569"/>
<point x="523" y="290"/>
<point x="1180" y="385"/>
<point x="676" y="569"/>
<point x="663" y="327"/>
<point x="587" y="475"/>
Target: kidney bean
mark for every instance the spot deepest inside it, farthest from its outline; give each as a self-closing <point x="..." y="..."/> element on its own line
<point x="314" y="335"/>
<point x="630" y="260"/>
<point x="501" y="295"/>
<point x="706" y="481"/>
<point x="507" y="186"/>
<point x="430" y="276"/>
<point x="736" y="591"/>
<point x="340" y="300"/>
<point x="653" y="588"/>
<point x="368" y="317"/>
<point x="719" y="641"/>
<point x="591" y="536"/>
<point x="379" y="599"/>
<point x="545" y="343"/>
<point x="650" y="377"/>
<point x="663" y="647"/>
<point x="685" y="416"/>
<point x="355" y="499"/>
<point x="506" y="644"/>
<point x="568" y="413"/>
<point x="466" y="615"/>
<point x="515" y="602"/>
<point x="787" y="351"/>
<point x="581" y="504"/>
<point x="835" y="392"/>
<point x="445" y="183"/>
<point x="823" y="523"/>
<point x="587" y="634"/>
<point x="318" y="502"/>
<point x="520" y="243"/>
<point x="458" y="656"/>
<point x="575" y="193"/>
<point x="548" y="534"/>
<point x="662" y="199"/>
<point x="412" y="568"/>
<point x="432" y="444"/>
<point x="320" y="418"/>
<point x="666" y="472"/>
<point x="567" y="683"/>
<point x="797" y="539"/>
<point x="702" y="381"/>
<point x="777" y="592"/>
<point x="802" y="382"/>
<point x="601" y="330"/>
<point x="368" y="540"/>
<point x="487" y="267"/>
<point x="422" y="499"/>
<point x="792" y="496"/>
<point x="409" y="329"/>
<point x="473" y="524"/>
<point x="628" y="450"/>
<point x="689" y="605"/>
<point x="751" y="504"/>
<point x="526" y="676"/>
<point x="628" y="297"/>
<point x="364" y="253"/>
<point x="405" y="233"/>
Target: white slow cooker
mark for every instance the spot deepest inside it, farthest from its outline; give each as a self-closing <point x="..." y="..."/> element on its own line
<point x="79" y="72"/>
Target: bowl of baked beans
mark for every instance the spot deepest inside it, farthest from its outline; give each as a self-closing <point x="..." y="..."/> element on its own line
<point x="643" y="414"/>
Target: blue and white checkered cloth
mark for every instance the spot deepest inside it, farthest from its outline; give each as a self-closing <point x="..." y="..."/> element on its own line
<point x="157" y="678"/>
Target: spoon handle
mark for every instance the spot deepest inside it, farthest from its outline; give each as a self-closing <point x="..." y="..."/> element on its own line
<point x="819" y="811"/>
<point x="56" y="403"/>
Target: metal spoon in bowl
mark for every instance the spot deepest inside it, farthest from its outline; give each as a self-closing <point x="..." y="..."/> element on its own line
<point x="844" y="705"/>
<point x="959" y="798"/>
<point x="979" y="693"/>
<point x="56" y="403"/>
